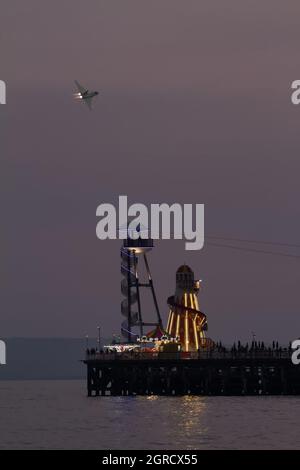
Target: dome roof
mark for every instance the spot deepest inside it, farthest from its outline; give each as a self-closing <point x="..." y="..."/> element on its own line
<point x="184" y="269"/>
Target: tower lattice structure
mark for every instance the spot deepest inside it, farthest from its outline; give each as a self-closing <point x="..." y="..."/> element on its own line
<point x="133" y="252"/>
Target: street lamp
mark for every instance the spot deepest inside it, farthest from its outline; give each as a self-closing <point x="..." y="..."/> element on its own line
<point x="98" y="328"/>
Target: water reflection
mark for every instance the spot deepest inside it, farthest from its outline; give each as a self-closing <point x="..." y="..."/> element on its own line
<point x="188" y="414"/>
<point x="193" y="410"/>
<point x="174" y="421"/>
<point x="152" y="397"/>
<point x="150" y="422"/>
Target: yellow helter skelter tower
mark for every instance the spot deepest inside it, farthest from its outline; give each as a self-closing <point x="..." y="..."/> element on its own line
<point x="186" y="321"/>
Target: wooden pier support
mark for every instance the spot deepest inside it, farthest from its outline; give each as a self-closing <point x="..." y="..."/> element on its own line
<point x="235" y="376"/>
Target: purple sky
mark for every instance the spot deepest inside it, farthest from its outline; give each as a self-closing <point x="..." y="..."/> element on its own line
<point x="195" y="107"/>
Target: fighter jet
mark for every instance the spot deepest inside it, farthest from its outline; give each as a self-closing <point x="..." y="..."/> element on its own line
<point x="85" y="95"/>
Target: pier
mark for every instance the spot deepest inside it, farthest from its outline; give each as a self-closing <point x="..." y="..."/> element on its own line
<point x="228" y="372"/>
<point x="181" y="359"/>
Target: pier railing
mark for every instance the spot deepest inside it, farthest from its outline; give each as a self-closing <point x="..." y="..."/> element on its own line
<point x="281" y="353"/>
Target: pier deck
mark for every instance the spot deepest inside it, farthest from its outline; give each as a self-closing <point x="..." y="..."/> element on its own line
<point x="209" y="373"/>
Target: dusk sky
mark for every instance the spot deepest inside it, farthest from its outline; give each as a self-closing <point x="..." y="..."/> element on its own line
<point x="194" y="107"/>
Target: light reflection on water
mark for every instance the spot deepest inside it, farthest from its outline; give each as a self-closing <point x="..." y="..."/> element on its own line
<point x="57" y="414"/>
<point x="190" y="414"/>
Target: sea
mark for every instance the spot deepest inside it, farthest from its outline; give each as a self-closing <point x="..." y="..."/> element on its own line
<point x="56" y="414"/>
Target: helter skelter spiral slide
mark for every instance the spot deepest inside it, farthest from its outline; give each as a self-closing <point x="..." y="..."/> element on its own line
<point x="186" y="321"/>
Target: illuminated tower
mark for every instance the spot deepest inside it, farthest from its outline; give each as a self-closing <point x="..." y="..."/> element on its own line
<point x="132" y="250"/>
<point x="186" y="321"/>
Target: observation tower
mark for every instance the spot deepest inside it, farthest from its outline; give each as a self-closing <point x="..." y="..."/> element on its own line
<point x="133" y="253"/>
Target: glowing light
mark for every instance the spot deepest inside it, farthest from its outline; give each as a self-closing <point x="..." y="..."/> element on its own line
<point x="171" y="323"/>
<point x="191" y="299"/>
<point x="195" y="334"/>
<point x="177" y="325"/>
<point x="186" y="331"/>
<point x="121" y="347"/>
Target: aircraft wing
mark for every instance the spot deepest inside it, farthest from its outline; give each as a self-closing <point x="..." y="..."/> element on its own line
<point x="81" y="89"/>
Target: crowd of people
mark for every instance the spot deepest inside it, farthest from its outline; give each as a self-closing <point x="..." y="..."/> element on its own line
<point x="255" y="348"/>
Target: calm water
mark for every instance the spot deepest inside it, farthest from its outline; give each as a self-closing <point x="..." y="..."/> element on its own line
<point x="57" y="414"/>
